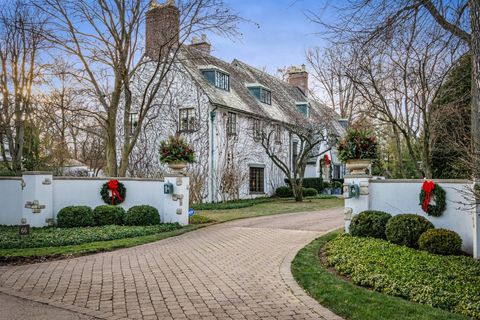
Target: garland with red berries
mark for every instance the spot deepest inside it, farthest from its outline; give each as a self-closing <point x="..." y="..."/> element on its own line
<point x="432" y="191"/>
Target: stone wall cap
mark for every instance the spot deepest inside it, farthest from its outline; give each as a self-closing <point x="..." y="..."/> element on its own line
<point x="36" y="173"/>
<point x="107" y="178"/>
<point x="463" y="181"/>
<point x="352" y="176"/>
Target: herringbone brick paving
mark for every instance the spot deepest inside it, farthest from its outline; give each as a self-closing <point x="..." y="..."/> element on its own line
<point x="236" y="270"/>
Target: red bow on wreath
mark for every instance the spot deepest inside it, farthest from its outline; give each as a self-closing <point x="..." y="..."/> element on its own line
<point x="327" y="160"/>
<point x="428" y="187"/>
<point x="113" y="186"/>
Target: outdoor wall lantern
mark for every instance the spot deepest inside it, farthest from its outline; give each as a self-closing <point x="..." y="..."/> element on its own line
<point x="353" y="191"/>
<point x="168" y="188"/>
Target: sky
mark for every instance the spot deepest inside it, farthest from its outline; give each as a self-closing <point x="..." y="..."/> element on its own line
<point x="279" y="35"/>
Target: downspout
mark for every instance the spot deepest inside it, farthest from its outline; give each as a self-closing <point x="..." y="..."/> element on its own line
<point x="213" y="114"/>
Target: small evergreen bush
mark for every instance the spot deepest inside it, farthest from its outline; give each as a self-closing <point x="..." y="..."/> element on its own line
<point x="369" y="224"/>
<point x="309" y="192"/>
<point x="75" y="216"/>
<point x="406" y="229"/>
<point x="108" y="214"/>
<point x="440" y="241"/>
<point x="284" y="192"/>
<point x="143" y="215"/>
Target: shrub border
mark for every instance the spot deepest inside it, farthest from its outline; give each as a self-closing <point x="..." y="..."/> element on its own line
<point x="348" y="300"/>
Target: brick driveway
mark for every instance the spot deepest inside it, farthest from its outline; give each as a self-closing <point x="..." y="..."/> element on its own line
<point x="235" y="270"/>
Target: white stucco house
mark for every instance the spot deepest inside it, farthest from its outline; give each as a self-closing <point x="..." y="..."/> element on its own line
<point x="218" y="107"/>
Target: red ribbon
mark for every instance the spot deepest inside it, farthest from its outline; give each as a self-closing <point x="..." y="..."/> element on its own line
<point x="327" y="159"/>
<point x="427" y="187"/>
<point x="113" y="186"/>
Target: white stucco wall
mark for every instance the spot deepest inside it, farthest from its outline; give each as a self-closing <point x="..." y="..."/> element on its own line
<point x="10" y="200"/>
<point x="86" y="191"/>
<point x="402" y="196"/>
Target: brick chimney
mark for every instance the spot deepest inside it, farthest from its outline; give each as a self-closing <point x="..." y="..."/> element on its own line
<point x="162" y="28"/>
<point x="298" y="76"/>
<point x="201" y="44"/>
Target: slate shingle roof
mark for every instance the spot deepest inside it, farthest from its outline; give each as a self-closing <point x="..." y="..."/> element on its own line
<point x="284" y="95"/>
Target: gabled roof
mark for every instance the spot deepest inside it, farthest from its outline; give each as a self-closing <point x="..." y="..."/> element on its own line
<point x="239" y="98"/>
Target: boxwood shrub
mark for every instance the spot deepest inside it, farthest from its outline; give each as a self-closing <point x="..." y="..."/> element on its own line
<point x="309" y="192"/>
<point x="369" y="224"/>
<point x="108" y="214"/>
<point x="143" y="215"/>
<point x="284" y="192"/>
<point x="406" y="229"/>
<point x="440" y="241"/>
<point x="75" y="216"/>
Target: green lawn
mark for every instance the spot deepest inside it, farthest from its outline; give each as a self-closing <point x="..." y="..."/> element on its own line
<point x="273" y="207"/>
<point x="351" y="301"/>
<point x="43" y="250"/>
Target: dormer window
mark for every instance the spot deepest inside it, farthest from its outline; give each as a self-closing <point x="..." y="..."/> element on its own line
<point x="219" y="78"/>
<point x="303" y="108"/>
<point x="261" y="93"/>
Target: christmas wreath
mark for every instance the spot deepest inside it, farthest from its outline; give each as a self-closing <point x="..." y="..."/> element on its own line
<point x="113" y="192"/>
<point x="432" y="191"/>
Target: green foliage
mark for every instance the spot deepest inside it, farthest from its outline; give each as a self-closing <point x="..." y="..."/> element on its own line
<point x="143" y="215"/>
<point x="175" y="149"/>
<point x="452" y="119"/>
<point x="315" y="183"/>
<point x="357" y="144"/>
<point x="284" y="192"/>
<point x="108" y="214"/>
<point x="337" y="185"/>
<point x="448" y="282"/>
<point x="227" y="205"/>
<point x="406" y="229"/>
<point x="309" y="192"/>
<point x="370" y="224"/>
<point x="350" y="301"/>
<point x="198" y="219"/>
<point x="75" y="216"/>
<point x="440" y="241"/>
<point x="56" y="237"/>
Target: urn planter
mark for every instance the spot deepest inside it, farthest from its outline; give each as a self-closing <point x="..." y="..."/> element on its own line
<point x="177" y="167"/>
<point x="358" y="166"/>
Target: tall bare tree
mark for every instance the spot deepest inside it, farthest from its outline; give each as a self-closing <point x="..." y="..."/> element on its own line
<point x="105" y="38"/>
<point x="21" y="40"/>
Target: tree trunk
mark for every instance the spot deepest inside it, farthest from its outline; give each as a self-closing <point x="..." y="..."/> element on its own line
<point x="475" y="116"/>
<point x="111" y="152"/>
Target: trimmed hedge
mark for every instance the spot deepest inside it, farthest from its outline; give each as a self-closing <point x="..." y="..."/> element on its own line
<point x="406" y="229"/>
<point x="75" y="216"/>
<point x="448" y="282"/>
<point x="440" y="241"/>
<point x="142" y="216"/>
<point x="234" y="204"/>
<point x="370" y="224"/>
<point x="108" y="214"/>
<point x="315" y="183"/>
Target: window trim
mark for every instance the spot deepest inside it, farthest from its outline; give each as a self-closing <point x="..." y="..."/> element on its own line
<point x="257" y="129"/>
<point x="189" y="116"/>
<point x="260" y="187"/>
<point x="231" y="125"/>
<point x="226" y="80"/>
<point x="303" y="103"/>
<point x="264" y="95"/>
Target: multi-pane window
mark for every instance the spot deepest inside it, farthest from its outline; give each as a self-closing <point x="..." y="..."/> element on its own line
<point x="232" y="123"/>
<point x="265" y="96"/>
<point x="187" y="120"/>
<point x="278" y="134"/>
<point x="217" y="78"/>
<point x="257" y="128"/>
<point x="261" y="94"/>
<point x="222" y="80"/>
<point x="257" y="180"/>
